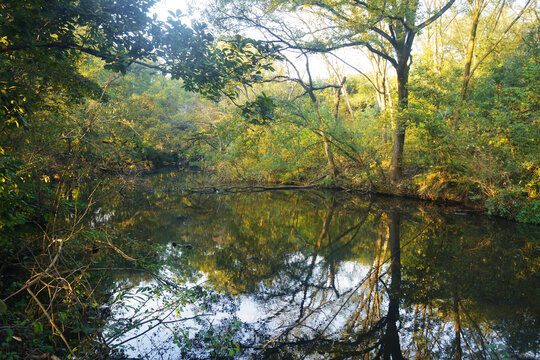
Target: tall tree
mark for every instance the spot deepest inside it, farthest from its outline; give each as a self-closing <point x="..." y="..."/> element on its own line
<point x="386" y="28"/>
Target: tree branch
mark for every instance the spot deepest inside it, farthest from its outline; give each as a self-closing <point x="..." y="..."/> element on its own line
<point x="437" y="15"/>
<point x="350" y="44"/>
<point x="501" y="37"/>
<point x="86" y="50"/>
<point x="52" y="323"/>
<point x="384" y="35"/>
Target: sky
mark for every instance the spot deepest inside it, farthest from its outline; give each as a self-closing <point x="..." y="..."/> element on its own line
<point x="318" y="65"/>
<point x="162" y="8"/>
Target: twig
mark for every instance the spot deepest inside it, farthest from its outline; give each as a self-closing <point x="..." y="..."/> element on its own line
<point x="40" y="275"/>
<point x="52" y="323"/>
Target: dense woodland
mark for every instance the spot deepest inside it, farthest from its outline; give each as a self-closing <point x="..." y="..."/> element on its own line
<point x="429" y="99"/>
<point x="467" y="112"/>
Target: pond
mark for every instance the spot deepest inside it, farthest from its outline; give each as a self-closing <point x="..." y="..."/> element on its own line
<point x="317" y="275"/>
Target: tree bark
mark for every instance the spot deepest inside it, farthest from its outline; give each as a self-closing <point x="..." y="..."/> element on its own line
<point x="396" y="165"/>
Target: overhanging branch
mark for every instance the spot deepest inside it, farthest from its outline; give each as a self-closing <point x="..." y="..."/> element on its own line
<point x="86" y="50"/>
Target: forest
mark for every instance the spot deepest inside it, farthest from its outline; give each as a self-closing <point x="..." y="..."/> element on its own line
<point x="436" y="101"/>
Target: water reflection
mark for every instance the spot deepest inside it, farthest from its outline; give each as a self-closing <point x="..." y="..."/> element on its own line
<point x="294" y="275"/>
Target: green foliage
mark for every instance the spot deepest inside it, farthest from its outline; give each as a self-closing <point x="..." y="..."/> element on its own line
<point x="41" y="43"/>
<point x="17" y="203"/>
<point x="510" y="203"/>
<point x="259" y="111"/>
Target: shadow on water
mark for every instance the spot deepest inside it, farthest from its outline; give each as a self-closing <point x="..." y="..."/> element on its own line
<point x="316" y="275"/>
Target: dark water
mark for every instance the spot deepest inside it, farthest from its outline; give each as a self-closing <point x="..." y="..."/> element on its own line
<point x="318" y="275"/>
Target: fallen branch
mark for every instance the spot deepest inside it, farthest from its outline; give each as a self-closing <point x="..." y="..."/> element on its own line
<point x="243" y="189"/>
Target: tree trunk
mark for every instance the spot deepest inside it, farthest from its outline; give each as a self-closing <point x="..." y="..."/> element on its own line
<point x="346" y="97"/>
<point x="468" y="64"/>
<point x="396" y="166"/>
<point x="327" y="150"/>
<point x="329" y="155"/>
<point x="470" y="53"/>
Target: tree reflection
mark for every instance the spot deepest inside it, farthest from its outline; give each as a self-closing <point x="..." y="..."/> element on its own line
<point x="390" y="347"/>
<point x="336" y="276"/>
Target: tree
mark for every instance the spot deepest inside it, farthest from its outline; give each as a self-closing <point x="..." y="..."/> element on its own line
<point x="386" y="28"/>
<point x="40" y="42"/>
<point x="477" y="8"/>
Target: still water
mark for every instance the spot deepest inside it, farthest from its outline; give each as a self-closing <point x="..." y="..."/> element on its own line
<point x="317" y="275"/>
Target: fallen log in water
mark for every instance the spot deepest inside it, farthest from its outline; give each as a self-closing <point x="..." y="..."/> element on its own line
<point x="242" y="189"/>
